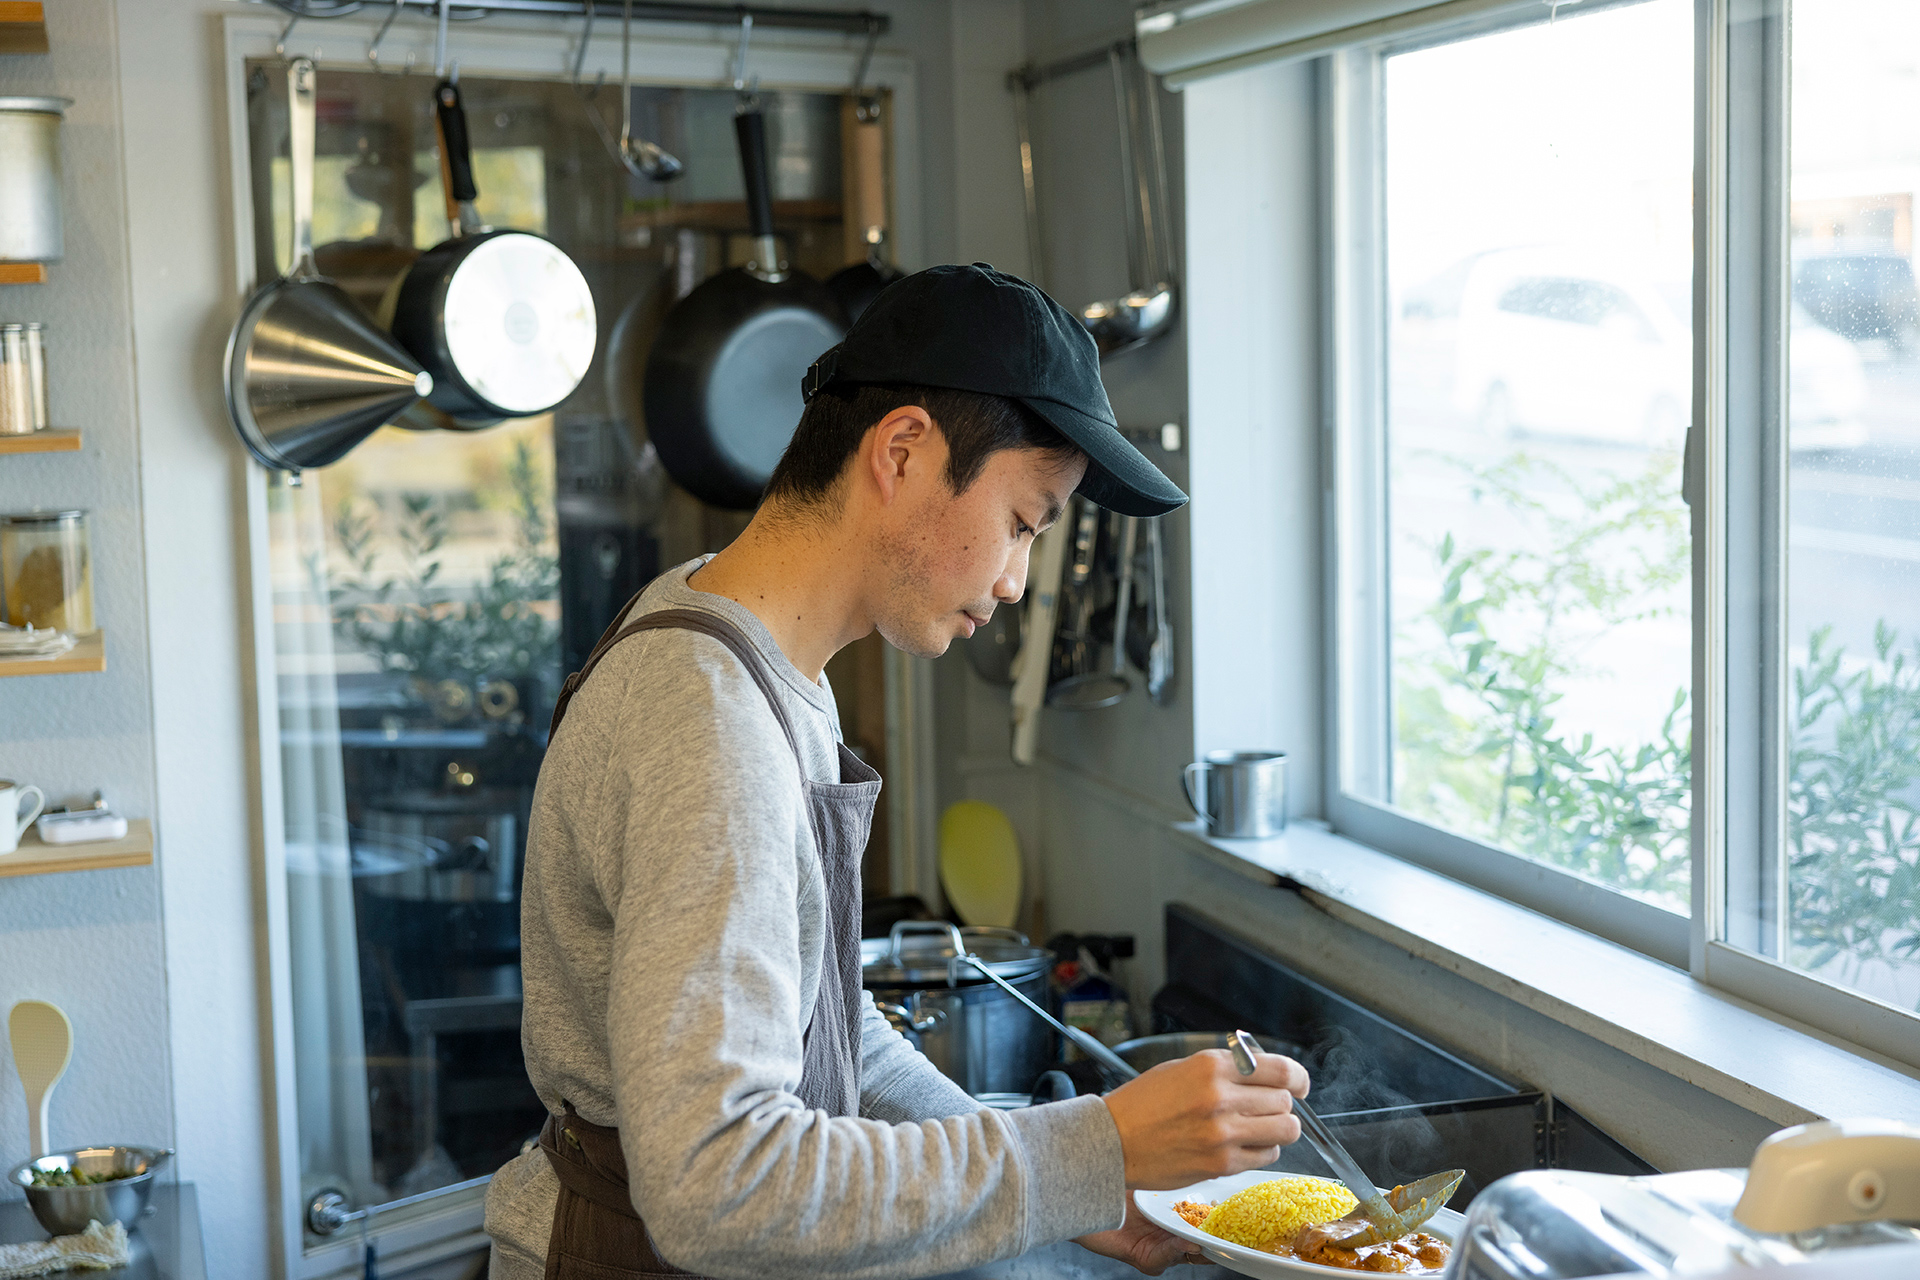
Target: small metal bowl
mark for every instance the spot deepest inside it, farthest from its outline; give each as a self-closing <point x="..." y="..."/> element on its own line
<point x="63" y="1211"/>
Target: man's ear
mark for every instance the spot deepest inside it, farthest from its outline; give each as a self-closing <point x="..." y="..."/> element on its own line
<point x="896" y="448"/>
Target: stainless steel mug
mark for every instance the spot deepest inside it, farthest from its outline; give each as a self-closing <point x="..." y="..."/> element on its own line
<point x="1243" y="795"/>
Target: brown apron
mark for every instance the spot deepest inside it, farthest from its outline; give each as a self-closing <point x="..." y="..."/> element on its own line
<point x="597" y="1235"/>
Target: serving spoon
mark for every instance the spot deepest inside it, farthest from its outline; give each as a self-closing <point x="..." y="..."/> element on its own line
<point x="1378" y="1217"/>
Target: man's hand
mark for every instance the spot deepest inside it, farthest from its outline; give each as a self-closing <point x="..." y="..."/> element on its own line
<point x="1139" y="1244"/>
<point x="1199" y="1118"/>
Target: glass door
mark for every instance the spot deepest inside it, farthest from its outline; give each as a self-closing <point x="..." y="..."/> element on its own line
<point x="431" y="590"/>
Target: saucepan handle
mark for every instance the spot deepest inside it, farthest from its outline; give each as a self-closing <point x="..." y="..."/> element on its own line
<point x="903" y="927"/>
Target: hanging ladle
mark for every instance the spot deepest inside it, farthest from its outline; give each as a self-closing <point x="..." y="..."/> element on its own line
<point x="638" y="156"/>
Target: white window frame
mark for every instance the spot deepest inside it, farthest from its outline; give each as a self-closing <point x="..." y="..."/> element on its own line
<point x="1740" y="531"/>
<point x="1736" y="486"/>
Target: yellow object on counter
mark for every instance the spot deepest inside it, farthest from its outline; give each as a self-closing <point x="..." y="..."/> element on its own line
<point x="1270" y="1214"/>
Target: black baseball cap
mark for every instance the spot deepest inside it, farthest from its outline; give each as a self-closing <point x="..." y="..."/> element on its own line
<point x="977" y="329"/>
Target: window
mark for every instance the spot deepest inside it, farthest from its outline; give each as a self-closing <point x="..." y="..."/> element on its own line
<point x="1819" y="557"/>
<point x="1525" y="626"/>
<point x="1674" y="702"/>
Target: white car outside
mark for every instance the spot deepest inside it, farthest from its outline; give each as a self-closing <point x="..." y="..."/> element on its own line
<point x="1553" y="342"/>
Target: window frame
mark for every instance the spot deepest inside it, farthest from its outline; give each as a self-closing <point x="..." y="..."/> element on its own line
<point x="1735" y="483"/>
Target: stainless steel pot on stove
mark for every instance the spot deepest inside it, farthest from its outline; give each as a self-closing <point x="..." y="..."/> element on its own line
<point x="977" y="1034"/>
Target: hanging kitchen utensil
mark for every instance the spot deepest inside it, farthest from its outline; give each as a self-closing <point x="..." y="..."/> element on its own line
<point x="1147" y="309"/>
<point x="1149" y="629"/>
<point x="1159" y="664"/>
<point x="308" y="373"/>
<point x="503" y="319"/>
<point x="991" y="650"/>
<point x="1049" y="556"/>
<point x="639" y="157"/>
<point x="42" y="1041"/>
<point x="864" y="143"/>
<point x="722" y="392"/>
<point x="1073" y="647"/>
<point x="1091" y="690"/>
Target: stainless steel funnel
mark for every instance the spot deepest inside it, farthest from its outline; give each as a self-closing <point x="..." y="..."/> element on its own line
<point x="309" y="375"/>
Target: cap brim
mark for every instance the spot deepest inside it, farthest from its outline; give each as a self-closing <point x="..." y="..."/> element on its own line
<point x="1119" y="477"/>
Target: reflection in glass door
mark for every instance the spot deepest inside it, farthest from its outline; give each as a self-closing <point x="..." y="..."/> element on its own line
<point x="430" y="590"/>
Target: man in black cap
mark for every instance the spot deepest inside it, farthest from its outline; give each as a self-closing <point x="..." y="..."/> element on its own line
<point x="724" y="1097"/>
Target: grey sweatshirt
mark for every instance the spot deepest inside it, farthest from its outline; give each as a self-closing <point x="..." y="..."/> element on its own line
<point x="673" y="932"/>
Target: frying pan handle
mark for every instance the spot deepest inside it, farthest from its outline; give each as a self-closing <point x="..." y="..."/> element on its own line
<point x="456" y="155"/>
<point x="751" y="129"/>
<point x="870" y="178"/>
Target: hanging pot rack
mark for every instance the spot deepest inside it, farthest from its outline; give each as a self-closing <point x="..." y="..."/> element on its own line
<point x="849" y="21"/>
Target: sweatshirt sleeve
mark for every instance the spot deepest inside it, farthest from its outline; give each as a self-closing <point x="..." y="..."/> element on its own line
<point x="897" y="1082"/>
<point x="700" y="866"/>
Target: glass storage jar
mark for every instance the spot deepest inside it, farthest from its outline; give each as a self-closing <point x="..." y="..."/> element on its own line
<point x="46" y="570"/>
<point x="23" y="379"/>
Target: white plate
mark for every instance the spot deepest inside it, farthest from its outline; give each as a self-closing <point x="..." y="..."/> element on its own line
<point x="1158" y="1206"/>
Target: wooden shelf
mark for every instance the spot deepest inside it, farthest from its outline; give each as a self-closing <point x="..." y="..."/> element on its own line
<point x="89" y="655"/>
<point x="52" y="440"/>
<point x="35" y="857"/>
<point x="21" y="272"/>
<point x="23" y="27"/>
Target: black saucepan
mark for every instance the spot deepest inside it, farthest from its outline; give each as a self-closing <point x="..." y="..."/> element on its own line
<point x="722" y="389"/>
<point x="503" y="320"/>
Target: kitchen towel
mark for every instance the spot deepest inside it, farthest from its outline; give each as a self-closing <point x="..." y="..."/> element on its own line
<point x="97" y="1248"/>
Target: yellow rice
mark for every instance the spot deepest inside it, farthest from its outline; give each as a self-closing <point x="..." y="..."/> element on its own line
<point x="1270" y="1214"/>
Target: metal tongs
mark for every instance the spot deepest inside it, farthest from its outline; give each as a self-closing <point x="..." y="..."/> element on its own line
<point x="1377" y="1218"/>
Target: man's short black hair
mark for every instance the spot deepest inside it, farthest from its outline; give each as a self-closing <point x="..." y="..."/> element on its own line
<point x="975" y="426"/>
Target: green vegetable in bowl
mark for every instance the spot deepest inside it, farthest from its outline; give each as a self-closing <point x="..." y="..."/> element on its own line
<point x="77" y="1177"/>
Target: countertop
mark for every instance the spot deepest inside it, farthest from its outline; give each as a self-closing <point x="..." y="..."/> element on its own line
<point x="166" y="1244"/>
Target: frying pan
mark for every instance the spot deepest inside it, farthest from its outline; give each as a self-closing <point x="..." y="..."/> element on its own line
<point x="309" y="375"/>
<point x="856" y="286"/>
<point x="503" y="320"/>
<point x="722" y="389"/>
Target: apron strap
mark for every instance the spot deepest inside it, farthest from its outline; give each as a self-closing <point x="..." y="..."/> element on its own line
<point x="707" y="624"/>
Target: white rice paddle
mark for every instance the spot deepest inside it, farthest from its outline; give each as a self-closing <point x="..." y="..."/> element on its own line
<point x="42" y="1046"/>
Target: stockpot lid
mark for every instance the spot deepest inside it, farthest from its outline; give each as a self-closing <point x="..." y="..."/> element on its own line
<point x="917" y="952"/>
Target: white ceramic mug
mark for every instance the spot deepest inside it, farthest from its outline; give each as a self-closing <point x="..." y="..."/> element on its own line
<point x="14" y="818"/>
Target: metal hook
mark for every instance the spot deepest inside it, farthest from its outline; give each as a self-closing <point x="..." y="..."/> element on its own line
<point x="373" y="50"/>
<point x="741" y="85"/>
<point x="866" y="106"/>
<point x="580" y="54"/>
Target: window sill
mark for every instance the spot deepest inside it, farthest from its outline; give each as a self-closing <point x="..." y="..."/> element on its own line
<point x="1661" y="1015"/>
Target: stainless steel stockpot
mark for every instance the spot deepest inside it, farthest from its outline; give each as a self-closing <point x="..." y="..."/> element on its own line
<point x="975" y="1033"/>
<point x="30" y="178"/>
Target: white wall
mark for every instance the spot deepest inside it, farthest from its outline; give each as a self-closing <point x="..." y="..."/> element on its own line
<point x="90" y="941"/>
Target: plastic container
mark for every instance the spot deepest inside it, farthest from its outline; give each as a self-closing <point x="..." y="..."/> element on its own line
<point x="46" y="570"/>
<point x="23" y="379"/>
